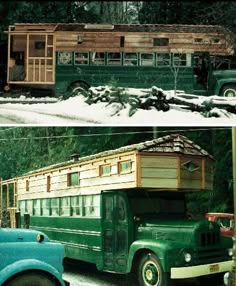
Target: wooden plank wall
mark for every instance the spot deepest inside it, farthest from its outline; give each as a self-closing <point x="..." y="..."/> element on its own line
<point x="90" y="181"/>
<point x="141" y="42"/>
<point x="159" y="172"/>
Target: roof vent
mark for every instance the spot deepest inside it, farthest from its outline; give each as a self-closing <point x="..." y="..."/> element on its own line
<point x="75" y="157"/>
<point x="99" y="26"/>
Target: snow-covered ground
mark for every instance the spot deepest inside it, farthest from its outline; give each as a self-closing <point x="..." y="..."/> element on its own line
<point x="74" y="111"/>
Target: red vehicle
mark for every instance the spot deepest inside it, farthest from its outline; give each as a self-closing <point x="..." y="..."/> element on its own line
<point x="225" y="221"/>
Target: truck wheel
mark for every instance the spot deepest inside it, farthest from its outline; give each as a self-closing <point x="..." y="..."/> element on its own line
<point x="77" y="87"/>
<point x="229" y="90"/>
<point x="31" y="279"/>
<point x="150" y="272"/>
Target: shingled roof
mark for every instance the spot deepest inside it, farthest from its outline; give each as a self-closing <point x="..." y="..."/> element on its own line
<point x="174" y="143"/>
<point x="162" y="28"/>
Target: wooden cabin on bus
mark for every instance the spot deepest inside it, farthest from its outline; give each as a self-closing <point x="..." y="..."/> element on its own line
<point x="63" y="56"/>
<point x="125" y="211"/>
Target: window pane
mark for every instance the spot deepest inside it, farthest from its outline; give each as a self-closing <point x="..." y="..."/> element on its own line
<point x="105" y="170"/>
<point x="45" y="207"/>
<point x="130" y="59"/>
<point x="81" y="58"/>
<point x="125" y="166"/>
<point x="64" y="58"/>
<point x="22" y="207"/>
<point x="37" y="208"/>
<point x="73" y="179"/>
<point x="160" y="42"/>
<point x="147" y="59"/>
<point x="91" y="205"/>
<point x="65" y="206"/>
<point x="163" y="59"/>
<point x="29" y="206"/>
<point x="55" y="207"/>
<point x="114" y="58"/>
<point x="76" y="206"/>
<point x="98" y="58"/>
<point x="179" y="59"/>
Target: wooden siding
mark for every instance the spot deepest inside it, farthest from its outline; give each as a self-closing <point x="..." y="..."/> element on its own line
<point x="159" y="171"/>
<point x="141" y="42"/>
<point x="90" y="180"/>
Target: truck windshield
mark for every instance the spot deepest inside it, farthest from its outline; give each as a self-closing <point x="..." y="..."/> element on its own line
<point x="158" y="203"/>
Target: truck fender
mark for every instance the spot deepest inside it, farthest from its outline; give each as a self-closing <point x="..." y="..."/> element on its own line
<point x="138" y="247"/>
<point x="221" y="82"/>
<point x="25" y="265"/>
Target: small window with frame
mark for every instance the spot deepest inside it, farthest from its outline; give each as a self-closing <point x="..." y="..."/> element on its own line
<point x="76" y="206"/>
<point x="81" y="58"/>
<point x="64" y="58"/>
<point x="163" y="59"/>
<point x="55" y="204"/>
<point x="179" y="59"/>
<point x="114" y="58"/>
<point x="130" y="59"/>
<point x="65" y="206"/>
<point x="147" y="59"/>
<point x="37" y="207"/>
<point x="124" y="167"/>
<point x="98" y="58"/>
<point x="160" y="42"/>
<point x="73" y="179"/>
<point x="45" y="205"/>
<point x="27" y="185"/>
<point x="105" y="170"/>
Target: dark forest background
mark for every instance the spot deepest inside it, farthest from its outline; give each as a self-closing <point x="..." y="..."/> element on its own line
<point x="24" y="149"/>
<point x="130" y="12"/>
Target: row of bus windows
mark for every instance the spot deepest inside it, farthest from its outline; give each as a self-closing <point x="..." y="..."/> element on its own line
<point x="65" y="206"/>
<point x="127" y="59"/>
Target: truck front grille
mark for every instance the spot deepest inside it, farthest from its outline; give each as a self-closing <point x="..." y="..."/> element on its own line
<point x="209" y="238"/>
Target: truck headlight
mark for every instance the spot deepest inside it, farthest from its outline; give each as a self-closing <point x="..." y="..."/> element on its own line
<point x="187" y="257"/>
<point x="230" y="252"/>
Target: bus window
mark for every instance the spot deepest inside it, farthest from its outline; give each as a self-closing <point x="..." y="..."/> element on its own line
<point x="108" y="208"/>
<point x="179" y="59"/>
<point x="163" y="59"/>
<point x="29" y="207"/>
<point x="81" y="58"/>
<point x="114" y="58"/>
<point x="55" y="206"/>
<point x="130" y="59"/>
<point x="91" y="205"/>
<point x="65" y="206"/>
<point x="76" y="207"/>
<point x="147" y="60"/>
<point x="64" y="58"/>
<point x="22" y="207"/>
<point x="98" y="58"/>
<point x="45" y="204"/>
<point x="36" y="207"/>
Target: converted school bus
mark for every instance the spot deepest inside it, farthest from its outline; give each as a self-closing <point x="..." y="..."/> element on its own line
<point x="125" y="210"/>
<point x="62" y="57"/>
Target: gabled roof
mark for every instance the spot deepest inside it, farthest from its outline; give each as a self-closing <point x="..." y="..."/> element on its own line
<point x="174" y="143"/>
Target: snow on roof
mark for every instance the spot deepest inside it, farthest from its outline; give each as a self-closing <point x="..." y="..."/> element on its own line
<point x="173" y="143"/>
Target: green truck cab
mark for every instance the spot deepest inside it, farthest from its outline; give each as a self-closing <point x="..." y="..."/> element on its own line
<point x="28" y="256"/>
<point x="148" y="233"/>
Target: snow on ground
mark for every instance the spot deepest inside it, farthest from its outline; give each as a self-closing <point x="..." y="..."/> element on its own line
<point x="74" y="111"/>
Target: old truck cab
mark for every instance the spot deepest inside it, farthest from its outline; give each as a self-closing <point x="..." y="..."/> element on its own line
<point x="28" y="256"/>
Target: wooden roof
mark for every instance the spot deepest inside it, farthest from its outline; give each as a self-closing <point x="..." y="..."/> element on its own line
<point x="162" y="28"/>
<point x="174" y="143"/>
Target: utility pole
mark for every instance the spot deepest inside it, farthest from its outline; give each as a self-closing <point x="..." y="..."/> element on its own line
<point x="233" y="283"/>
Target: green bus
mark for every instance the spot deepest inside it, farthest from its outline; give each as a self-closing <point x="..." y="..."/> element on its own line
<point x="64" y="57"/>
<point x="124" y="210"/>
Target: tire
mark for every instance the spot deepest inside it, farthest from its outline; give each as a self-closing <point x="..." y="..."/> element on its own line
<point x="150" y="272"/>
<point x="77" y="87"/>
<point x="229" y="90"/>
<point x="31" y="279"/>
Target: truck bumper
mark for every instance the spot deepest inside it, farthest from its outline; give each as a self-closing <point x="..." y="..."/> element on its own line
<point x="200" y="270"/>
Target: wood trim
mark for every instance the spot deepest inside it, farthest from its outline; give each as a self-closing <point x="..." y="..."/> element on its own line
<point x="203" y="174"/>
<point x="179" y="173"/>
<point x="138" y="170"/>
